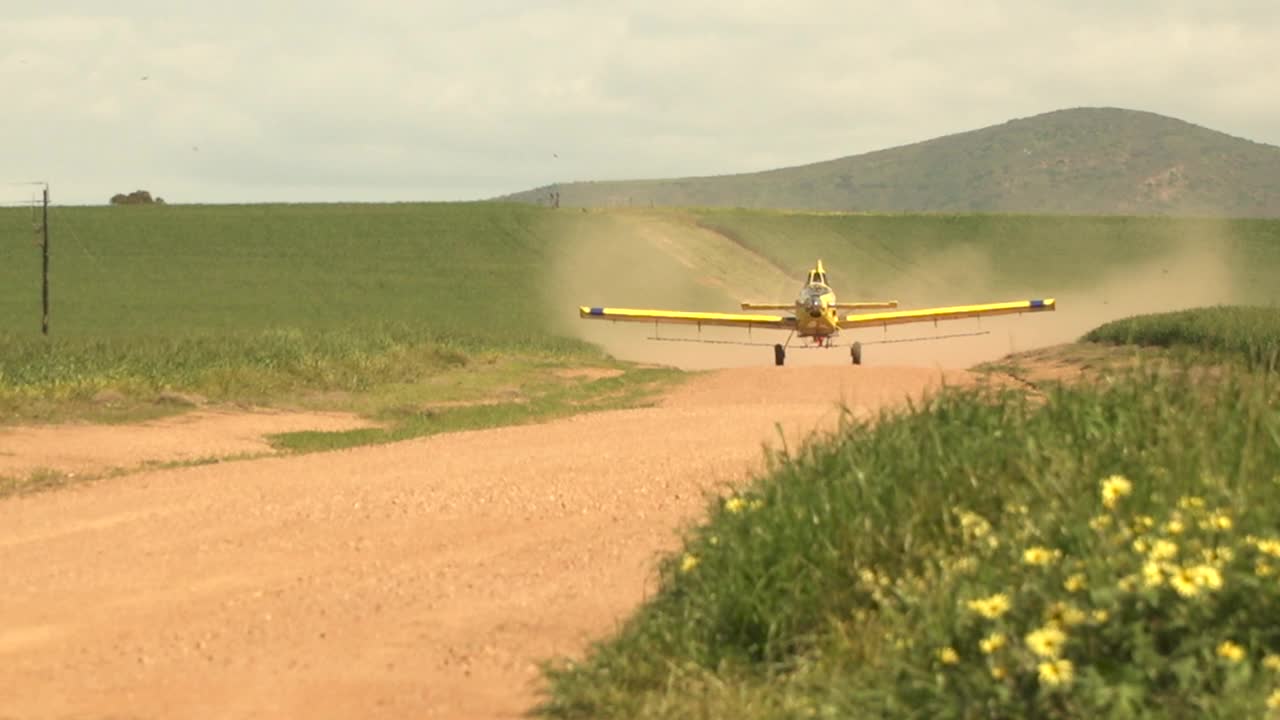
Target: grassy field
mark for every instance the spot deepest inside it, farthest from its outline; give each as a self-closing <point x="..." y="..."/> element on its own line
<point x="267" y="303"/>
<point x="1251" y="334"/>
<point x="1107" y="550"/>
<point x="353" y="306"/>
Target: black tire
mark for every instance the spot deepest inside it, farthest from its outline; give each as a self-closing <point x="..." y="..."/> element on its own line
<point x="779" y="355"/>
<point x="855" y="353"/>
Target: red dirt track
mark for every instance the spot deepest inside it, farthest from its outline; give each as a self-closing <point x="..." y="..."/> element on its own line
<point x="417" y="580"/>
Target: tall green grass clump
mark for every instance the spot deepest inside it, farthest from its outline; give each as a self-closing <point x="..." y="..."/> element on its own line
<point x="1250" y="333"/>
<point x="1111" y="552"/>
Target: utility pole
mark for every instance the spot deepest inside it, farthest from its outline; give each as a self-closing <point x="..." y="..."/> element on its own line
<point x="44" y="291"/>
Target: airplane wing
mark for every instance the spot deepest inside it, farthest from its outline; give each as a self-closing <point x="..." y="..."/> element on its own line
<point x="867" y="305"/>
<point x="957" y="312"/>
<point x="863" y="305"/>
<point x="686" y="318"/>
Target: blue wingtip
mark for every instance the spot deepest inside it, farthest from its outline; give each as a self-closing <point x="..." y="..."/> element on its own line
<point x="597" y="311"/>
<point x="1037" y="303"/>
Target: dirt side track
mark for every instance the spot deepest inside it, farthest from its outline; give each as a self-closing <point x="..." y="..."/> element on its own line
<point x="422" y="579"/>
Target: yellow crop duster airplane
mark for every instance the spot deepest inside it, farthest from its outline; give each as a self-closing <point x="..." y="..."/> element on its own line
<point x="815" y="314"/>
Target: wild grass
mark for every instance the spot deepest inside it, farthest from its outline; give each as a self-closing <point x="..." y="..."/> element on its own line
<point x="1111" y="552"/>
<point x="1249" y="334"/>
<point x="251" y="368"/>
<point x="538" y="401"/>
<point x="37" y="480"/>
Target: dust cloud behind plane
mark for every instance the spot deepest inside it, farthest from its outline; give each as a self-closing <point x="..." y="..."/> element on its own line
<point x="647" y="261"/>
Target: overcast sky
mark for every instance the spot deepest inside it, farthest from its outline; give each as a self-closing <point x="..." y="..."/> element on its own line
<point x="423" y="100"/>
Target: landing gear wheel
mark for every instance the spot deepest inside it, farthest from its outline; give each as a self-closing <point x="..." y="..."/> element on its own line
<point x="779" y="355"/>
<point x="855" y="353"/>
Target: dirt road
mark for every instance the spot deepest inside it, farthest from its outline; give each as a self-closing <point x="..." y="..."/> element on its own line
<point x="422" y="579"/>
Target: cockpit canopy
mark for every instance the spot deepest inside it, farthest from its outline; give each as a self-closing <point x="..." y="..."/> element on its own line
<point x="812" y="294"/>
<point x="817" y="276"/>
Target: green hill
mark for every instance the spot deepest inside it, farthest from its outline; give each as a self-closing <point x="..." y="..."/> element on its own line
<point x="1077" y="161"/>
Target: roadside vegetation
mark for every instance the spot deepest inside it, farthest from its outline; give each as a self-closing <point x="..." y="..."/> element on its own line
<point x="1095" y="550"/>
<point x="1249" y="334"/>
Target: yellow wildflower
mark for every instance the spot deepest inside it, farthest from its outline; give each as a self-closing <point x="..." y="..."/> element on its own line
<point x="1217" y="556"/>
<point x="1141" y="546"/>
<point x="1063" y="615"/>
<point x="1271" y="662"/>
<point x="1184" y="583"/>
<point x="1055" y="673"/>
<point x="1100" y="523"/>
<point x="1230" y="651"/>
<point x="1263" y="569"/>
<point x="1269" y="547"/>
<point x="1220" y="521"/>
<point x="1273" y="700"/>
<point x="735" y="505"/>
<point x="992" y="643"/>
<point x="689" y="562"/>
<point x="1142" y="523"/>
<point x="974" y="525"/>
<point x="948" y="656"/>
<point x="1190" y="502"/>
<point x="1101" y="616"/>
<point x="755" y="504"/>
<point x="1174" y="526"/>
<point x="1039" y="555"/>
<point x="1114" y="488"/>
<point x="999" y="673"/>
<point x="1206" y="576"/>
<point x="991" y="607"/>
<point x="1152" y="575"/>
<point x="1047" y="641"/>
<point x="1164" y="550"/>
<point x="1075" y="583"/>
<point x="1128" y="583"/>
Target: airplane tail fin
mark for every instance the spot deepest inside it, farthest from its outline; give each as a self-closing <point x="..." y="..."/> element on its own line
<point x="818" y="274"/>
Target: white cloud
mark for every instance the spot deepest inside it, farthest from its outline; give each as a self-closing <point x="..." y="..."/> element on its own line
<point x="408" y="100"/>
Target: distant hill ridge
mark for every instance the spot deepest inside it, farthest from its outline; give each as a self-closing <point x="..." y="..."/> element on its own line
<point x="1077" y="161"/>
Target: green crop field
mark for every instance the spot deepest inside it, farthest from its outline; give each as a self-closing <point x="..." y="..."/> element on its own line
<point x="301" y="304"/>
<point x="128" y="272"/>
<point x="279" y="303"/>
<point x="1103" y="550"/>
